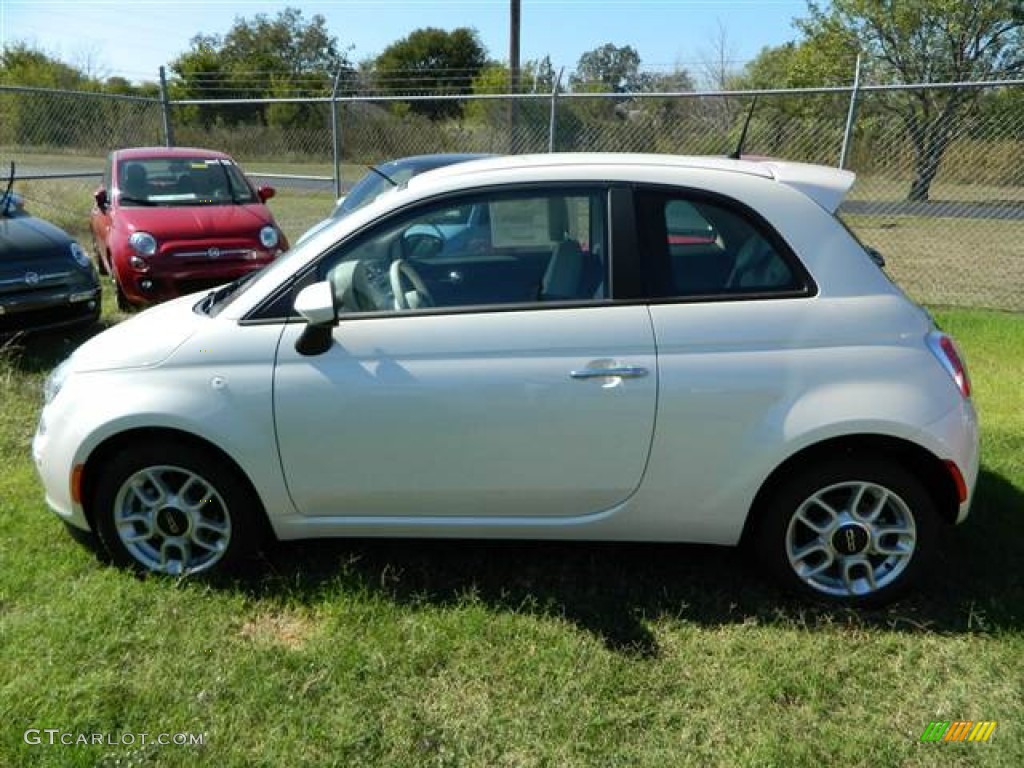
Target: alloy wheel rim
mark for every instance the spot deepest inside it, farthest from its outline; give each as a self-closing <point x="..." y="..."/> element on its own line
<point x="851" y="539"/>
<point x="172" y="520"/>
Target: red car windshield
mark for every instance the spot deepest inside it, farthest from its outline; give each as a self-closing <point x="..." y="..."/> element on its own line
<point x="167" y="181"/>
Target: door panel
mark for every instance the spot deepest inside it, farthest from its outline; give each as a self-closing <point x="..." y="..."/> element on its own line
<point x="468" y="415"/>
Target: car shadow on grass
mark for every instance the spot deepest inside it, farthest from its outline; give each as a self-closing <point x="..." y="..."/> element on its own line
<point x="39" y="351"/>
<point x="617" y="591"/>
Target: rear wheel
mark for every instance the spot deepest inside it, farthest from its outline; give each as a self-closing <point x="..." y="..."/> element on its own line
<point x="175" y="509"/>
<point x="857" y="531"/>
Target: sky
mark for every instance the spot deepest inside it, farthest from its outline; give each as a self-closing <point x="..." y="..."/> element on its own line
<point x="133" y="39"/>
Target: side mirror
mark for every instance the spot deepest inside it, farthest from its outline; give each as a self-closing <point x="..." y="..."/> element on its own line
<point x="316" y="304"/>
<point x="265" y="193"/>
<point x="100" y="196"/>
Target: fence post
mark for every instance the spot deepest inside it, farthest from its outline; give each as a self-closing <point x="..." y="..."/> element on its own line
<point x="165" y="107"/>
<point x="850" y="116"/>
<point x="554" y="102"/>
<point x="336" y="134"/>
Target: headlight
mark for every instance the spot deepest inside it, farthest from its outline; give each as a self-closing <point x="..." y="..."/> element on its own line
<point x="143" y="243"/>
<point x="55" y="381"/>
<point x="268" y="236"/>
<point x="80" y="256"/>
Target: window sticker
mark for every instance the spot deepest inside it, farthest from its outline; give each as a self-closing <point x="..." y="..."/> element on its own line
<point x="520" y="223"/>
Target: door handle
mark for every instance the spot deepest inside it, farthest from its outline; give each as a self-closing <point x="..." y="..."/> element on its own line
<point x="621" y="371"/>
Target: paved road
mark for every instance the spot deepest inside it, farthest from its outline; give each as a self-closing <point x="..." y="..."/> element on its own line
<point x="957" y="210"/>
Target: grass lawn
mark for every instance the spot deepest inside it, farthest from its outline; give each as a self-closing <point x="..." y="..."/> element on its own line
<point x="972" y="262"/>
<point x="416" y="653"/>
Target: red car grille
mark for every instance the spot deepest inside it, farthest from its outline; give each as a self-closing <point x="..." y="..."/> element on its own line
<point x="217" y="254"/>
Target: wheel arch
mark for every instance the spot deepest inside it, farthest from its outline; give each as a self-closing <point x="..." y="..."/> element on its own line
<point x="115" y="443"/>
<point x="927" y="467"/>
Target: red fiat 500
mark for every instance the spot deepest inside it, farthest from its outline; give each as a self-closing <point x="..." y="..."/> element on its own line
<point x="172" y="221"/>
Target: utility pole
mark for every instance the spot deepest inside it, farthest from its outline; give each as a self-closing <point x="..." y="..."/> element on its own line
<point x="513" y="73"/>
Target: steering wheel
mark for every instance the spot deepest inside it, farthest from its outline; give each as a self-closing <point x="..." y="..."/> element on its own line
<point x="402" y="268"/>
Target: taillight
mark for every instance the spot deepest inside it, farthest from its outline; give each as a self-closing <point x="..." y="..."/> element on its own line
<point x="943" y="347"/>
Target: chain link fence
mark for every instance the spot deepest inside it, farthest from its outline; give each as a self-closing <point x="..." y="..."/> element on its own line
<point x="961" y="243"/>
<point x="44" y="122"/>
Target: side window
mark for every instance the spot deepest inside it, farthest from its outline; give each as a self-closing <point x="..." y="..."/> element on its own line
<point x="709" y="248"/>
<point x="484" y="250"/>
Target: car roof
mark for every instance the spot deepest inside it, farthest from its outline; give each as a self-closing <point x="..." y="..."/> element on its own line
<point x="140" y="153"/>
<point x="824" y="185"/>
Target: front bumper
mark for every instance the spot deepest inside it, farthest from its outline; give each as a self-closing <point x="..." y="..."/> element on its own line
<point x="165" y="279"/>
<point x="59" y="307"/>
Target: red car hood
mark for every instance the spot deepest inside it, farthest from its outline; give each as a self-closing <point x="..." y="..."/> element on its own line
<point x="187" y="222"/>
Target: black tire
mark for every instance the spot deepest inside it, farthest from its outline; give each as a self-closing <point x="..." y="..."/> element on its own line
<point x="189" y="511"/>
<point x="122" y="301"/>
<point x="848" y="558"/>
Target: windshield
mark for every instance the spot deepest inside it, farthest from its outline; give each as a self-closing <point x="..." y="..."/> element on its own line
<point x="7" y="200"/>
<point x="370" y="187"/>
<point x="171" y="181"/>
<point x="10" y="205"/>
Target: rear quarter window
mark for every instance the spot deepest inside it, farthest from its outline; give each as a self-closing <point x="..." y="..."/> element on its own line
<point x="705" y="246"/>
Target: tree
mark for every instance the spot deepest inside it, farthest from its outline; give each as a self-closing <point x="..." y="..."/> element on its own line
<point x="609" y="68"/>
<point x="926" y="41"/>
<point x="260" y="58"/>
<point x="42" y="119"/>
<point x="21" y="64"/>
<point x="787" y="122"/>
<point x="432" y="61"/>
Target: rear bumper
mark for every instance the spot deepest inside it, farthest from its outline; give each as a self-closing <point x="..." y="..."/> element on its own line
<point x="954" y="438"/>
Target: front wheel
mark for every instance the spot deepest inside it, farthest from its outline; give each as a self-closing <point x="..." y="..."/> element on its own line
<point x="175" y="509"/>
<point x="122" y="300"/>
<point x="855" y="532"/>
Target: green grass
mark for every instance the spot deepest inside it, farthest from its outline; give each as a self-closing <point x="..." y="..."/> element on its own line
<point x="958" y="261"/>
<point x="416" y="653"/>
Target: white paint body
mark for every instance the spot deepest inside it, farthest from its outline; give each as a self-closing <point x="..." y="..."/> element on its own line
<point x="469" y="424"/>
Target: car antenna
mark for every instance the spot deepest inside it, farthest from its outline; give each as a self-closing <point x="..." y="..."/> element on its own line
<point x="383" y="175"/>
<point x="735" y="154"/>
<point x="7" y="192"/>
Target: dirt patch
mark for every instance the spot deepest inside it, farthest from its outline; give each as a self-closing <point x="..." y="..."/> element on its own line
<point x="285" y="630"/>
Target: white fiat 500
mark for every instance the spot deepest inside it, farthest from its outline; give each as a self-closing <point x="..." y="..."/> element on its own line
<point x="598" y="347"/>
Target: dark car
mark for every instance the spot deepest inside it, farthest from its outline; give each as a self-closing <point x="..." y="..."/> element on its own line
<point x="169" y="221"/>
<point x="47" y="280"/>
<point x="381" y="178"/>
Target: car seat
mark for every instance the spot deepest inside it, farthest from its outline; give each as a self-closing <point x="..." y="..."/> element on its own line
<point x="134" y="182"/>
<point x="351" y="287"/>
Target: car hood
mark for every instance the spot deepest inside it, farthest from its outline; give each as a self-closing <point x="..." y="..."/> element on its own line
<point x="196" y="221"/>
<point x="144" y="340"/>
<point x="24" y="236"/>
